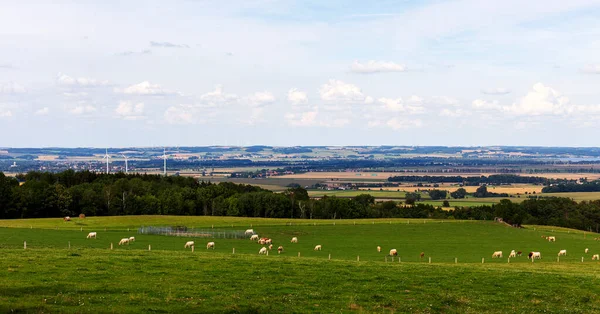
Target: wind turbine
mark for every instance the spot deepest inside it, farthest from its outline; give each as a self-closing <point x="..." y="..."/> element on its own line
<point x="126" y="169"/>
<point x="107" y="158"/>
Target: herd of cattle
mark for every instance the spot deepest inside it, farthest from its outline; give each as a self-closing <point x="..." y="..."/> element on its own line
<point x="318" y="247"/>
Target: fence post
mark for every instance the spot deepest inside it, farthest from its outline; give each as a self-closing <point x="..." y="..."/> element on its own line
<point x="267" y="252"/>
<point x="233" y="251"/>
<point x="582" y="259"/>
<point x="193" y="248"/>
<point x="508" y="260"/>
<point x="482" y="260"/>
<point x="149" y="248"/>
<point x="111" y="246"/>
<point x="399" y="259"/>
<point x="81" y="229"/>
<point x="558" y="259"/>
<point x="127" y="229"/>
<point x="456" y="260"/>
<point x="213" y="226"/>
<point x="357" y="258"/>
<point x="69" y="245"/>
<point x="298" y="254"/>
<point x="329" y="256"/>
<point x="429" y="259"/>
<point x="24" y="245"/>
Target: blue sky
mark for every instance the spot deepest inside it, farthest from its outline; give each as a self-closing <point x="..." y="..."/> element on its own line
<point x="143" y="73"/>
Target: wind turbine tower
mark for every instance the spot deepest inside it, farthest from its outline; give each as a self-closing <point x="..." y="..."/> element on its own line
<point x="107" y="158"/>
<point x="126" y="169"/>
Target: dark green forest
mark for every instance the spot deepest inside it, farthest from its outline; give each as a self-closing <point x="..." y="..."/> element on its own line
<point x="70" y="193"/>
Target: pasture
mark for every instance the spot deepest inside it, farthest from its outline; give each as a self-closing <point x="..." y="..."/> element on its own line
<point x="49" y="276"/>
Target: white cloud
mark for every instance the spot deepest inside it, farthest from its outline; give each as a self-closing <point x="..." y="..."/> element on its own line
<point x="66" y="80"/>
<point x="145" y="88"/>
<point x="369" y="100"/>
<point x="129" y="111"/>
<point x="454" y="113"/>
<point x="398" y="105"/>
<point x="217" y="98"/>
<point x="591" y="68"/>
<point x="398" y="124"/>
<point x="82" y="109"/>
<point x="377" y="67"/>
<point x="481" y="104"/>
<point x="42" y="112"/>
<point x="167" y="45"/>
<point x="297" y="97"/>
<point x="178" y="115"/>
<point x="306" y="118"/>
<point x="496" y="91"/>
<point x="5" y="113"/>
<point x="443" y="101"/>
<point x="541" y="100"/>
<point x="78" y="94"/>
<point x="259" y="99"/>
<point x="338" y="91"/>
<point x="12" y="88"/>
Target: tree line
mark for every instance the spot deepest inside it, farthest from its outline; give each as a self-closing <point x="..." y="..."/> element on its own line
<point x="593" y="186"/>
<point x="69" y="193"/>
<point x="494" y="179"/>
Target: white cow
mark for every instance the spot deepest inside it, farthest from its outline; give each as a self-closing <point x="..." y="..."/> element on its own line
<point x="497" y="254"/>
<point x="263" y="250"/>
<point x="393" y="252"/>
<point x="270" y="247"/>
<point x="249" y="231"/>
<point x="268" y="241"/>
<point x="124" y="241"/>
<point x="210" y="245"/>
<point x="537" y="255"/>
<point x="378" y="248"/>
<point x="318" y="247"/>
<point x="551" y="239"/>
<point x="562" y="252"/>
<point x="595" y="257"/>
<point x="586" y="250"/>
<point x="254" y="237"/>
<point x="91" y="235"/>
<point x="188" y="244"/>
<point x="279" y="249"/>
<point x="512" y="254"/>
<point x="131" y="239"/>
<point x="294" y="240"/>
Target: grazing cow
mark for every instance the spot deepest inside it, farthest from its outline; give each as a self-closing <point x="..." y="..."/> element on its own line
<point x="188" y="244"/>
<point x="279" y="249"/>
<point x="124" y="241"/>
<point x="379" y="249"/>
<point x="263" y="250"/>
<point x="91" y="235"/>
<point x="586" y="250"/>
<point x="81" y="216"/>
<point x="131" y="239"/>
<point x="67" y="218"/>
<point x="210" y="245"/>
<point x="318" y="247"/>
<point x="249" y="231"/>
<point x="562" y="252"/>
<point x="294" y="240"/>
<point x="270" y="247"/>
<point x="393" y="252"/>
<point x="529" y="255"/>
<point x="512" y="254"/>
<point x="268" y="241"/>
<point x="519" y="253"/>
<point x="254" y="237"/>
<point x="537" y="255"/>
<point x="595" y="257"/>
<point x="551" y="239"/>
<point x="263" y="241"/>
<point x="497" y="254"/>
<point x="422" y="255"/>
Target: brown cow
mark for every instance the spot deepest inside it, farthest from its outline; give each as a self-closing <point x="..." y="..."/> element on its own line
<point x="67" y="218"/>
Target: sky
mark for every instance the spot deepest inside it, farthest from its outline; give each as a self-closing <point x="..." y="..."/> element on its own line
<point x="286" y="73"/>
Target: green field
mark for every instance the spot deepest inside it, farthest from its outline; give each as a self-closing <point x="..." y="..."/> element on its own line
<point x="89" y="277"/>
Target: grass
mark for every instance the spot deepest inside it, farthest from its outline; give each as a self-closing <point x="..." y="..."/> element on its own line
<point x="89" y="277"/>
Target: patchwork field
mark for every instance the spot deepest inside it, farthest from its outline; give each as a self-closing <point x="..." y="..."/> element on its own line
<point x="89" y="277"/>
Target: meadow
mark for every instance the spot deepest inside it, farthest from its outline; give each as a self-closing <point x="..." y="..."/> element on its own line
<point x="49" y="276"/>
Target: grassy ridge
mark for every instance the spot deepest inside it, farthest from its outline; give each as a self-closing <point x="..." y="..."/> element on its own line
<point x="93" y="281"/>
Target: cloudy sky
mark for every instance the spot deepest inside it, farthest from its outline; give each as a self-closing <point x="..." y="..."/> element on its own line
<point x="397" y="72"/>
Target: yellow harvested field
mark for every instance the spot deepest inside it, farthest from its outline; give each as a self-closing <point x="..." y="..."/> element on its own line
<point x="47" y="157"/>
<point x="385" y="175"/>
<point x="510" y="189"/>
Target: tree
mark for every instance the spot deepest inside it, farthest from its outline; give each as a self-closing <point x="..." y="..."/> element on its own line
<point x="411" y="198"/>
<point x="446" y="203"/>
<point x="459" y="193"/>
<point x="438" y="194"/>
